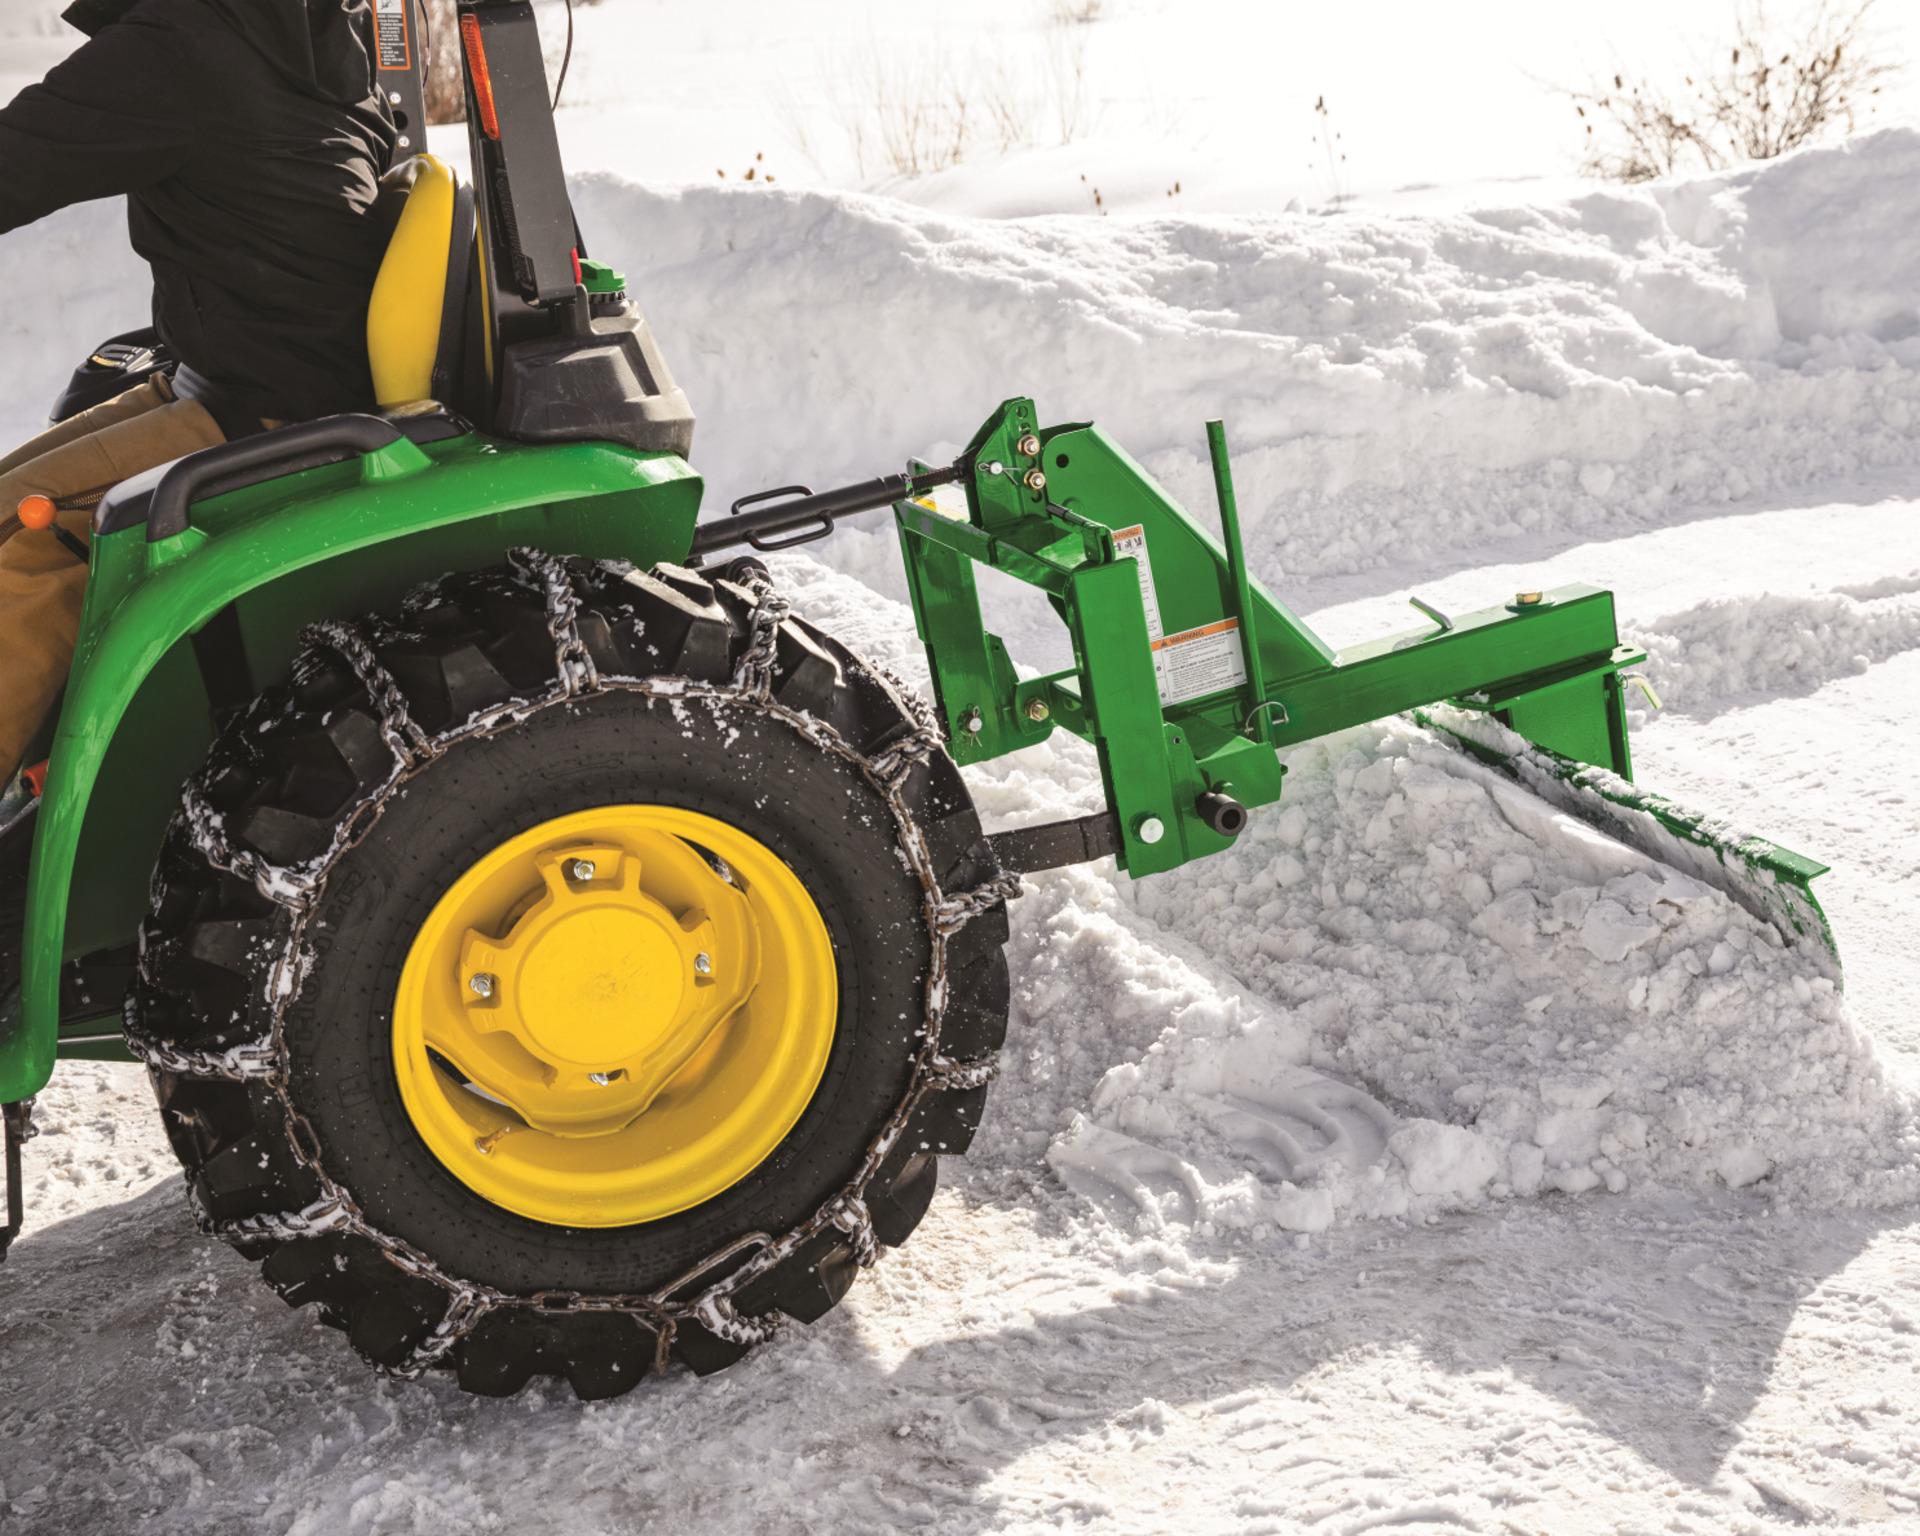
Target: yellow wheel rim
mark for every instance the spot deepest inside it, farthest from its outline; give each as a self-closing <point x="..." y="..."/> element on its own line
<point x="615" y="1015"/>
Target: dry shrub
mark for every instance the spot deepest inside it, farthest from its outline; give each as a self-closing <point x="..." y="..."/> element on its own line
<point x="1778" y="87"/>
<point x="911" y="111"/>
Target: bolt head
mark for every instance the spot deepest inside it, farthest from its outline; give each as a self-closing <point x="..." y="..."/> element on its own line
<point x="1526" y="599"/>
<point x="481" y="984"/>
<point x="703" y="964"/>
<point x="1151" y="829"/>
<point x="582" y="870"/>
<point x="1028" y="446"/>
<point x="1035" y="480"/>
<point x="1038" y="710"/>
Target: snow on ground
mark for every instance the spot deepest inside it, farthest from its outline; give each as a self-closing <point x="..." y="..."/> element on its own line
<point x="1425" y="1162"/>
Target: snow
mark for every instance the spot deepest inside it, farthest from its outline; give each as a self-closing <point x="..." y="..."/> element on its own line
<point x="1426" y="1161"/>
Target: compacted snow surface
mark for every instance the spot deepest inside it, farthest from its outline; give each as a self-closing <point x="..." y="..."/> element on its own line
<point x="1429" y="1161"/>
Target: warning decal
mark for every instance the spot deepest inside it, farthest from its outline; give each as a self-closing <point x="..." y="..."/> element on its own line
<point x="1195" y="661"/>
<point x="1199" y="661"/>
<point x="391" y="31"/>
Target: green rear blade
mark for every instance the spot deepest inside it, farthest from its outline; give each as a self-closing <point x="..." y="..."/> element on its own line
<point x="1773" y="883"/>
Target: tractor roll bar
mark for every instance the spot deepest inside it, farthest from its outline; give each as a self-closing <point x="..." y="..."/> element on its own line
<point x="813" y="512"/>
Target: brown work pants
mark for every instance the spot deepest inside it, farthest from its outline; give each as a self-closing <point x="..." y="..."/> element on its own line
<point x="41" y="581"/>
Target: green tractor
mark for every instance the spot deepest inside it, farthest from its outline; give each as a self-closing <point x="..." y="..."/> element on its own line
<point x="552" y="956"/>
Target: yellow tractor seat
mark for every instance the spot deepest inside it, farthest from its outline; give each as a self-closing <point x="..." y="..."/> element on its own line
<point x="418" y="317"/>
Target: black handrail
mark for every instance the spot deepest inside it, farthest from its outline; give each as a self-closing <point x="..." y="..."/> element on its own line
<point x="251" y="460"/>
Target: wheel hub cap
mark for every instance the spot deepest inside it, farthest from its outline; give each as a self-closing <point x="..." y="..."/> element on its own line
<point x="615" y="1015"/>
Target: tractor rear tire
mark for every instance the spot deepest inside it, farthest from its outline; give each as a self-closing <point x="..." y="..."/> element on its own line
<point x="334" y="815"/>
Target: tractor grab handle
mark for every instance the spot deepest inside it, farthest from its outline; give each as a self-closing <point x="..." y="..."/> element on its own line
<point x="233" y="466"/>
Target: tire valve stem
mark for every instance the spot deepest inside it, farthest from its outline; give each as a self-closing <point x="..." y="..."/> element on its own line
<point x="484" y="1144"/>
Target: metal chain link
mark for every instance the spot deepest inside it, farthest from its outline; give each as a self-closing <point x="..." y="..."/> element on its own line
<point x="661" y="1311"/>
<point x="207" y="832"/>
<point x="854" y="1219"/>
<point x="754" y="675"/>
<point x="571" y="656"/>
<point x="408" y="741"/>
<point x="255" y="1060"/>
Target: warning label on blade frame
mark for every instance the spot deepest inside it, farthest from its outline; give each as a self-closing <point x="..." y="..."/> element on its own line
<point x="391" y="32"/>
<point x="1195" y="661"/>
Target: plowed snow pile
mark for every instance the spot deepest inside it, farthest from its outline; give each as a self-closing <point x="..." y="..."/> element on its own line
<point x="1411" y="987"/>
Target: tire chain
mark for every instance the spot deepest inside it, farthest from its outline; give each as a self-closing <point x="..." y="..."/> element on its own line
<point x="298" y="891"/>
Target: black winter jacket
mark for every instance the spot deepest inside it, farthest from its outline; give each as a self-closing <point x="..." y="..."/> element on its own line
<point x="249" y="137"/>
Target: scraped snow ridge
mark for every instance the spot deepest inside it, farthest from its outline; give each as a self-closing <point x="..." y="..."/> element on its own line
<point x="1412" y="987"/>
<point x="1715" y="654"/>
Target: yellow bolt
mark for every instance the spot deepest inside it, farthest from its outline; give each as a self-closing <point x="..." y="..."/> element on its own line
<point x="1037" y="709"/>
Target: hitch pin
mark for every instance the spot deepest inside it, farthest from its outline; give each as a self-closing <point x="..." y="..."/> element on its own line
<point x="1433" y="613"/>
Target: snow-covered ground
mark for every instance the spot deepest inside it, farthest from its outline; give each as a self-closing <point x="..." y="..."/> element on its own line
<point x="1426" y="1162"/>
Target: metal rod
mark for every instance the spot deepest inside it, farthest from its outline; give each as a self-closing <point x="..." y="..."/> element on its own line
<point x="1237" y="568"/>
<point x="868" y="496"/>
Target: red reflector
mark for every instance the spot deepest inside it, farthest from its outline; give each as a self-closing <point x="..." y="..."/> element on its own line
<point x="579" y="277"/>
<point x="477" y="73"/>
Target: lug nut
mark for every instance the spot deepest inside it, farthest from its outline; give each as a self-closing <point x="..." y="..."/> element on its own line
<point x="603" y="1079"/>
<point x="582" y="870"/>
<point x="703" y="964"/>
<point x="1034" y="480"/>
<point x="480" y="984"/>
<point x="1037" y="710"/>
<point x="1028" y="446"/>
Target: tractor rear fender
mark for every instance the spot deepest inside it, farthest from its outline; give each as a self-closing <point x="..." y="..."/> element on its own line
<point x="178" y="629"/>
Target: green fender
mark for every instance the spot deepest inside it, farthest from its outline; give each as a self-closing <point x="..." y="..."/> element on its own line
<point x="256" y="567"/>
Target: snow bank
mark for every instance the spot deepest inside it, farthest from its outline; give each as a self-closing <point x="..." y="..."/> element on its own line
<point x="1392" y="382"/>
<point x="1412" y="987"/>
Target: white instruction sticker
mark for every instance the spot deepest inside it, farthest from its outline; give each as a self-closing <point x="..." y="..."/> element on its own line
<point x="1199" y="661"/>
<point x="1133" y="541"/>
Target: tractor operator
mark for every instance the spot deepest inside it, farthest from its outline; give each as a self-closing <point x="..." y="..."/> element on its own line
<point x="249" y="137"/>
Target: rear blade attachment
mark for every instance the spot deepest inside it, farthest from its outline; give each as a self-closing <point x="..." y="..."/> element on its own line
<point x="1775" y="884"/>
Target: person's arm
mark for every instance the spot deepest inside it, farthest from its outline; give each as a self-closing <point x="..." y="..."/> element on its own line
<point x="117" y="115"/>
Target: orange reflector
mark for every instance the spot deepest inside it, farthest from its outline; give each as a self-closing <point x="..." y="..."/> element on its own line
<point x="36" y="777"/>
<point x="36" y="512"/>
<point x="477" y="73"/>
